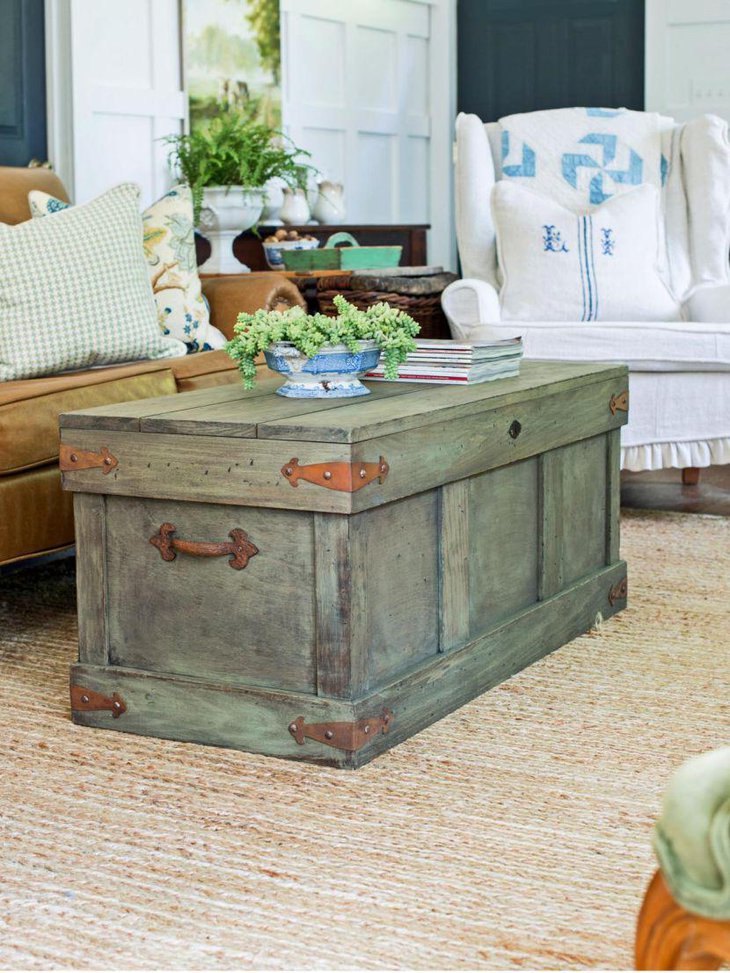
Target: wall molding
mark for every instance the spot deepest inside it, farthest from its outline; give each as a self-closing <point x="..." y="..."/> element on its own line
<point x="59" y="111"/>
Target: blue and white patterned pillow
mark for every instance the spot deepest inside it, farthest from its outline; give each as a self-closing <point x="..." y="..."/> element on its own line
<point x="169" y="249"/>
<point x="599" y="265"/>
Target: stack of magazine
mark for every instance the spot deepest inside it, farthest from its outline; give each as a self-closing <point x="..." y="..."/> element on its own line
<point x="457" y="362"/>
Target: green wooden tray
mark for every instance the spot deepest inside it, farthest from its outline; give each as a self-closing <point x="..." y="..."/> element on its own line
<point x="334" y="257"/>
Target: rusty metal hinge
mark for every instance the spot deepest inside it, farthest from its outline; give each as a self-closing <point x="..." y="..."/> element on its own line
<point x="343" y="736"/>
<point x="618" y="591"/>
<point x="619" y="402"/>
<point x="87" y="700"/>
<point x="72" y="458"/>
<point x="343" y="476"/>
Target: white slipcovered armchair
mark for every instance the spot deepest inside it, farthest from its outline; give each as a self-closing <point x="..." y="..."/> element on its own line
<point x="679" y="370"/>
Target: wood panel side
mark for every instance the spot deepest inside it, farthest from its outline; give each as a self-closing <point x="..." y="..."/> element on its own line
<point x="342" y="663"/>
<point x="91" y="577"/>
<point x="208" y="469"/>
<point x="179" y="708"/>
<point x="550" y="562"/>
<point x="400" y="574"/>
<point x="454" y="565"/>
<point x="503" y="543"/>
<point x="196" y="616"/>
<point x="444" y="451"/>
<point x="613" y="495"/>
<point x="574" y="515"/>
<point x="454" y="678"/>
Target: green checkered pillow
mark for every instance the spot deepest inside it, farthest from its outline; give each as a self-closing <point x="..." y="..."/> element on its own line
<point x="169" y="249"/>
<point x="75" y="291"/>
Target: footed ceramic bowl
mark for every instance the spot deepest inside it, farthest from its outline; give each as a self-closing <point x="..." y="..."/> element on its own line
<point x="333" y="373"/>
<point x="274" y="251"/>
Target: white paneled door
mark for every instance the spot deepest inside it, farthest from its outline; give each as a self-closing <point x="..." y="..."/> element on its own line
<point x="687" y="66"/>
<point x="127" y="93"/>
<point x="368" y="90"/>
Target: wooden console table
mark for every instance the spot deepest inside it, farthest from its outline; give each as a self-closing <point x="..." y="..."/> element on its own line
<point x="411" y="236"/>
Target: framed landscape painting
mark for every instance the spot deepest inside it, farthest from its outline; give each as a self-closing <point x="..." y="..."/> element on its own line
<point x="232" y="58"/>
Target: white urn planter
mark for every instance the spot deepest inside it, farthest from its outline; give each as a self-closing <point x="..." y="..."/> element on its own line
<point x="273" y="201"/>
<point x="226" y="212"/>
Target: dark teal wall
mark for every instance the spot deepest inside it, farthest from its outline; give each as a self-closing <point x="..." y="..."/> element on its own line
<point x="22" y="82"/>
<point x="524" y="55"/>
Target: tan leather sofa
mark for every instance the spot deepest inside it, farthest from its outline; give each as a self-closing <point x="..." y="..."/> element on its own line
<point x="36" y="516"/>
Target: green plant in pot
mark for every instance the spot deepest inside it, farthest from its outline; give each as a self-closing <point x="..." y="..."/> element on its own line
<point x="227" y="165"/>
<point x="321" y="356"/>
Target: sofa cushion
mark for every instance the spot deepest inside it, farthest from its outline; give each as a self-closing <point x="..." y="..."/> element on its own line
<point x="602" y="265"/>
<point x="679" y="346"/>
<point x="36" y="515"/>
<point x="29" y="409"/>
<point x="169" y="249"/>
<point x="203" y="371"/>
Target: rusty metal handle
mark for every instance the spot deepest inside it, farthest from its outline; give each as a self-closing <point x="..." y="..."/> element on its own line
<point x="239" y="546"/>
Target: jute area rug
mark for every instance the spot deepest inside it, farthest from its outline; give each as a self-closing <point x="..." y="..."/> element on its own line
<point x="513" y="834"/>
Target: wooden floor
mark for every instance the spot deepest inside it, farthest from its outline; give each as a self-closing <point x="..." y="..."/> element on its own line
<point x="663" y="490"/>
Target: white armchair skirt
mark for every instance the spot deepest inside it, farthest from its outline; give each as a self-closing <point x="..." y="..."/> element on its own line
<point x="679" y="373"/>
<point x="676" y="419"/>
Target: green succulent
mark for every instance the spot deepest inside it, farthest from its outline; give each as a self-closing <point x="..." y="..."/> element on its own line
<point x="392" y="331"/>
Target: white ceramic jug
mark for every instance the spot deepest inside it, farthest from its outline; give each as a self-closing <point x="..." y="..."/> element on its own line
<point x="295" y="209"/>
<point x="330" y="205"/>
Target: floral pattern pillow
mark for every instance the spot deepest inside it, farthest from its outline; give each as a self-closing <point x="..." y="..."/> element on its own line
<point x="169" y="248"/>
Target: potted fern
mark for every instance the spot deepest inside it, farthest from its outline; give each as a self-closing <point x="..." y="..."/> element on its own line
<point x="227" y="165"/>
<point x="321" y="356"/>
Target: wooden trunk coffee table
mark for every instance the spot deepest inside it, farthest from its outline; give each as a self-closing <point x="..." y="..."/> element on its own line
<point x="319" y="580"/>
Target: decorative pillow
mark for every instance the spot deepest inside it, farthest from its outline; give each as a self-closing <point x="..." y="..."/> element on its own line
<point x="169" y="247"/>
<point x="75" y="292"/>
<point x="557" y="265"/>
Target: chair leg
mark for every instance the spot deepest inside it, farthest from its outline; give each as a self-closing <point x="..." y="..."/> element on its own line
<point x="670" y="938"/>
<point x="691" y="475"/>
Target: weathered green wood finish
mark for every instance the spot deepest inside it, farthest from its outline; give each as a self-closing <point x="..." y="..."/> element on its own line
<point x="197" y="617"/>
<point x="441" y="687"/>
<point x="454" y="573"/>
<point x="493" y="540"/>
<point x="613" y="503"/>
<point x="179" y="708"/>
<point x="503" y="511"/>
<point x="241" y="417"/>
<point x="425" y="405"/>
<point x="127" y="416"/>
<point x="248" y="471"/>
<point x="206" y="469"/>
<point x="400" y="578"/>
<point x="342" y="651"/>
<point x="91" y="578"/>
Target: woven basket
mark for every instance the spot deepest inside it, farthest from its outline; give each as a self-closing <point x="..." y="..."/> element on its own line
<point x="426" y="310"/>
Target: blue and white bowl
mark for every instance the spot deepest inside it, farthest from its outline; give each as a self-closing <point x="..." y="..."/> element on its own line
<point x="333" y="373"/>
<point x="274" y="252"/>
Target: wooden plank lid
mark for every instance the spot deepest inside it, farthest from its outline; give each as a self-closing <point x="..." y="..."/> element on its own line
<point x="232" y="411"/>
